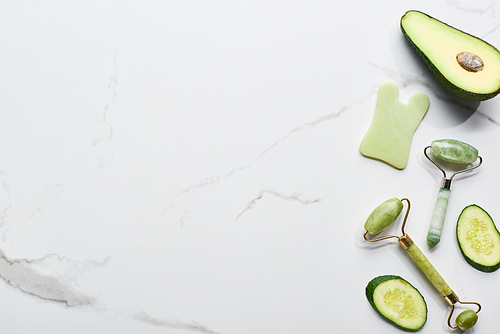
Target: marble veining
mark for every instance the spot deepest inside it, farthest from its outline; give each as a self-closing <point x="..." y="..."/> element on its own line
<point x="480" y="11"/>
<point x="216" y="179"/>
<point x="293" y="197"/>
<point x="190" y="327"/>
<point x="5" y="199"/>
<point x="467" y="8"/>
<point x="52" y="193"/>
<point x="194" y="167"/>
<point x="104" y="126"/>
<point x="22" y="275"/>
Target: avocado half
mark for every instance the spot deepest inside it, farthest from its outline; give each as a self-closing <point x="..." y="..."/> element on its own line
<point x="466" y="65"/>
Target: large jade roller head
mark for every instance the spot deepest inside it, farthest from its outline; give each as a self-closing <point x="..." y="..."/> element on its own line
<point x="453" y="153"/>
<point x="381" y="218"/>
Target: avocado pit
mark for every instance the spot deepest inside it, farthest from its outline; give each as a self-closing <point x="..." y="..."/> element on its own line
<point x="470" y="62"/>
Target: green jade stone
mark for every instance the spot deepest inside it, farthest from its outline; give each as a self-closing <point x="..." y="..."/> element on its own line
<point x="383" y="215"/>
<point x="428" y="269"/>
<point x="437" y="221"/>
<point x="453" y="150"/>
<point x="467" y="319"/>
<point x="391" y="132"/>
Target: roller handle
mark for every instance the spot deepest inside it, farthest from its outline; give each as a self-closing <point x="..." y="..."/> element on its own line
<point x="437" y="220"/>
<point x="439" y="283"/>
<point x="428" y="269"/>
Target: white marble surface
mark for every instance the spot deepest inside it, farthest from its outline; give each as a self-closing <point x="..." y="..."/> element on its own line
<point x="193" y="166"/>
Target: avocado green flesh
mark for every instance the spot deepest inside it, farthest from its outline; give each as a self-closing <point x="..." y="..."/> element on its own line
<point x="438" y="44"/>
<point x="479" y="239"/>
<point x="398" y="301"/>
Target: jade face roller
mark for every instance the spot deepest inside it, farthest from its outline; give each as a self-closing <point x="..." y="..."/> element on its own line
<point x="383" y="216"/>
<point x="454" y="152"/>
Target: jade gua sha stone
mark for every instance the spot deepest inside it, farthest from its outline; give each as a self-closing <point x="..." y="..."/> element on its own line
<point x="390" y="134"/>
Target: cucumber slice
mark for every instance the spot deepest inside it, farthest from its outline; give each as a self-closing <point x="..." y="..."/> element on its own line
<point x="398" y="301"/>
<point x="478" y="239"/>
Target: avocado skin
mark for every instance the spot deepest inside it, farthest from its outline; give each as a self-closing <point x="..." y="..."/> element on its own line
<point x="461" y="93"/>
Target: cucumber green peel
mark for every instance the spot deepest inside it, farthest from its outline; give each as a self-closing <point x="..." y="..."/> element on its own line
<point x="398" y="301"/>
<point x="479" y="239"/>
<point x="388" y="211"/>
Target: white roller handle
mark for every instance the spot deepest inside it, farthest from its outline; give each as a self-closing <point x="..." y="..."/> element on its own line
<point x="437" y="221"/>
